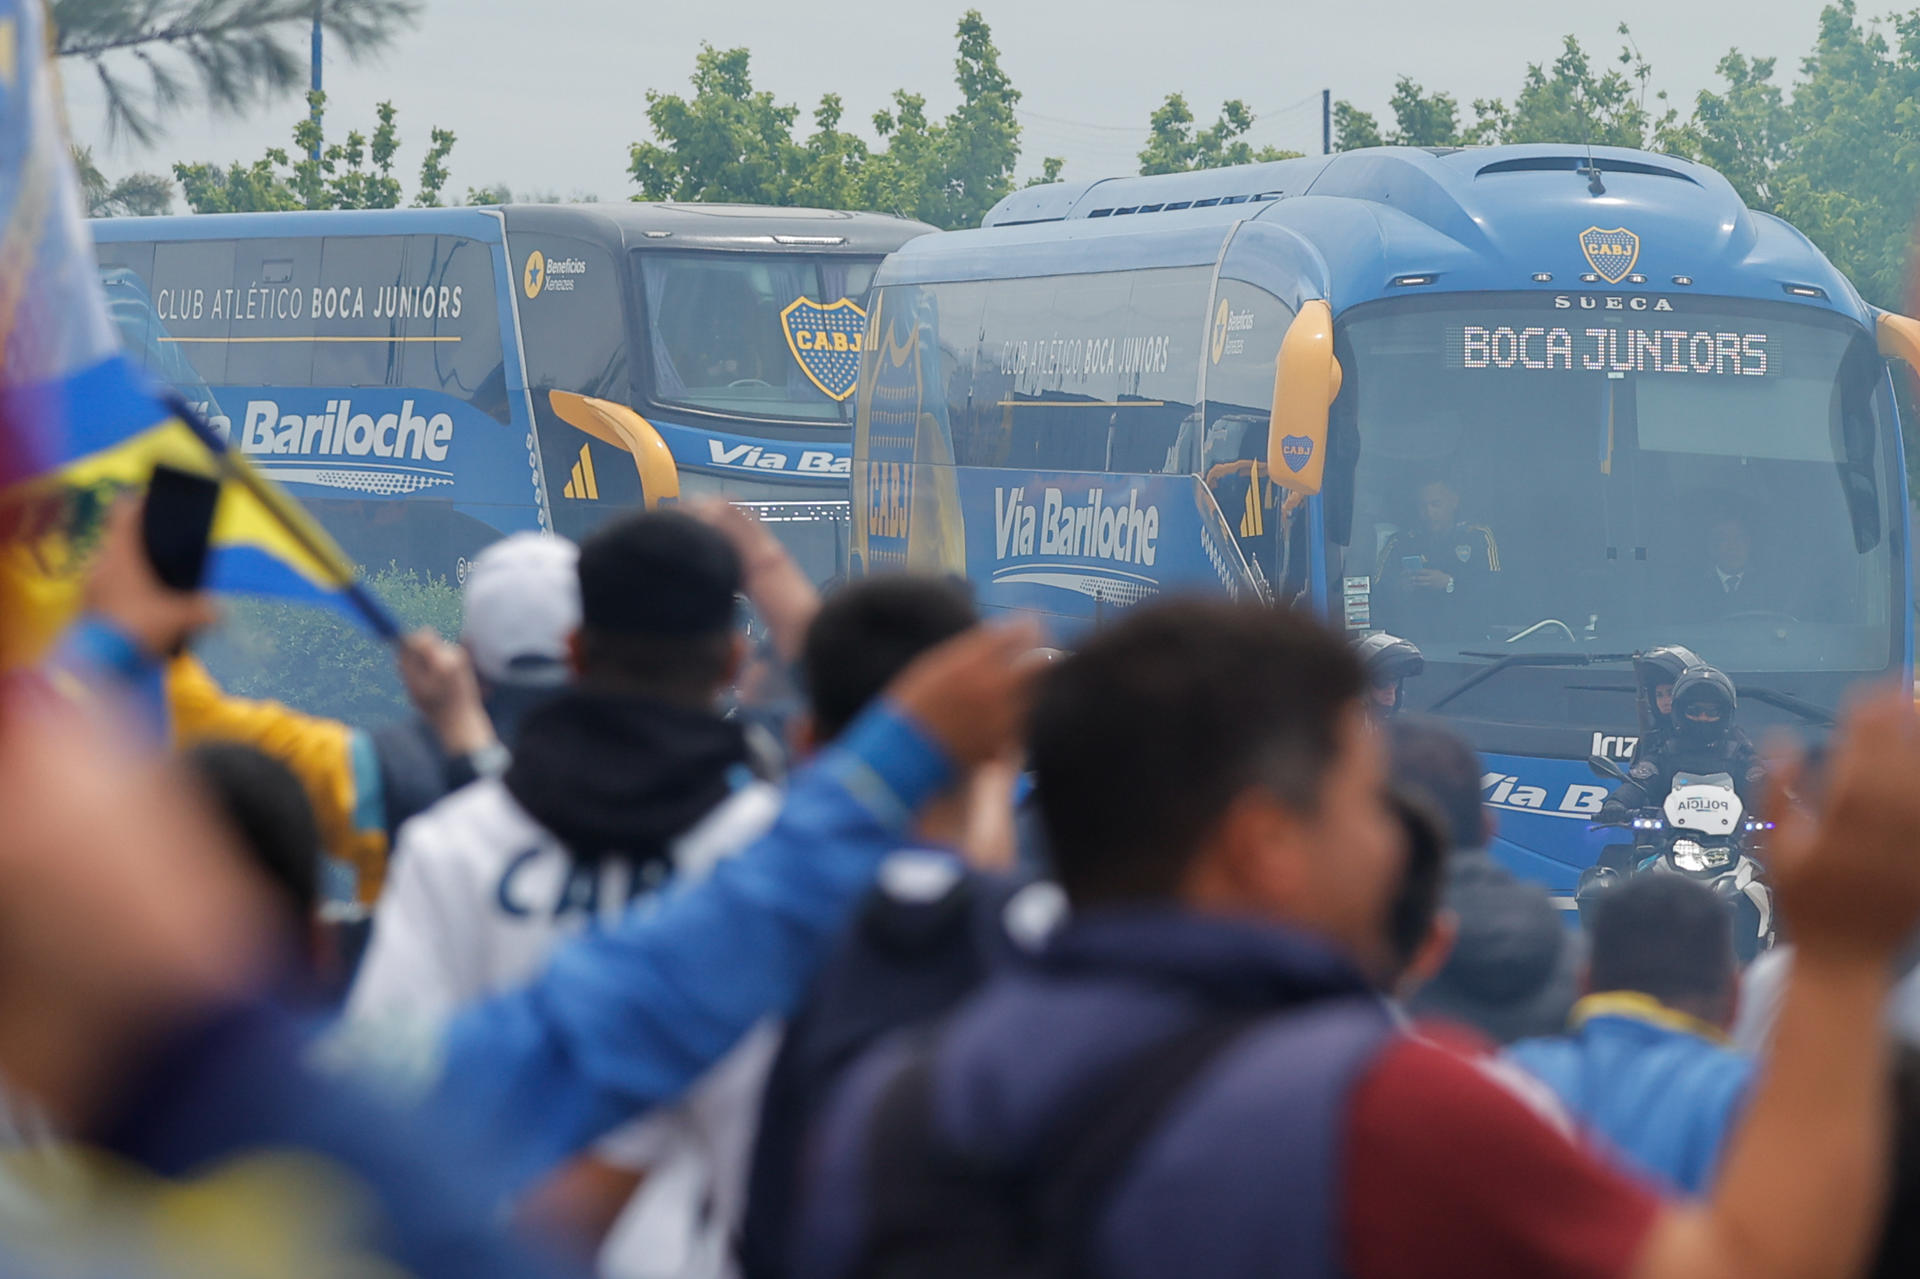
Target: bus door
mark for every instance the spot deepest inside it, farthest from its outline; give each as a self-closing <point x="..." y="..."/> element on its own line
<point x="599" y="455"/>
<point x="1265" y="494"/>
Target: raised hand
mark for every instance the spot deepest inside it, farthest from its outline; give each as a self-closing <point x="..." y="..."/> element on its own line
<point x="1847" y="866"/>
<point x="972" y="692"/>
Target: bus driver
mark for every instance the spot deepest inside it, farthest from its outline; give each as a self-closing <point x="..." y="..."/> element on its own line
<point x="1427" y="573"/>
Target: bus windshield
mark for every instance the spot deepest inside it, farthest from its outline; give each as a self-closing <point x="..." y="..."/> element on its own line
<point x="1537" y="473"/>
<point x="719" y="338"/>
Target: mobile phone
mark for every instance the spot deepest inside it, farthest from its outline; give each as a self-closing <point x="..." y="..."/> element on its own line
<point x="176" y="525"/>
<point x="1412" y="563"/>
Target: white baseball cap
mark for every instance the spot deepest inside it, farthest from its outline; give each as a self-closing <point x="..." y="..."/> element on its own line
<point x="521" y="602"/>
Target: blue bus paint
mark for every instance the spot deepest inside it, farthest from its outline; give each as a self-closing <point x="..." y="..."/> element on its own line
<point x="811" y="463"/>
<point x="1615" y="382"/>
<point x="422" y="401"/>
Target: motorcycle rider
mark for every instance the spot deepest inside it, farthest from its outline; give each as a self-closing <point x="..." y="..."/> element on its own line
<point x="1703" y="740"/>
<point x="1655" y="671"/>
<point x="1388" y="660"/>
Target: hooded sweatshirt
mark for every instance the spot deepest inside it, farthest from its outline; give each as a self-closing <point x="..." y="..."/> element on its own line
<point x="608" y="798"/>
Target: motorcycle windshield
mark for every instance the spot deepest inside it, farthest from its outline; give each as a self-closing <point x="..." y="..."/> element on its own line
<point x="1533" y="472"/>
<point x="1722" y="780"/>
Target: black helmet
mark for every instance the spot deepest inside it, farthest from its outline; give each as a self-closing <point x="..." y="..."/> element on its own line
<point x="1698" y="686"/>
<point x="1664" y="665"/>
<point x="1388" y="659"/>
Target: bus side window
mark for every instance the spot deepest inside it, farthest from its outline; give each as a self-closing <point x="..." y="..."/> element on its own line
<point x="274" y="312"/>
<point x="459" y="274"/>
<point x="1161" y="348"/>
<point x="191" y="286"/>
<point x="971" y="412"/>
<point x="575" y="327"/>
<point x="354" y="311"/>
<point x="126" y="274"/>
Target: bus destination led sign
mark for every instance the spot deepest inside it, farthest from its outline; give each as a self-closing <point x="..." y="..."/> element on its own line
<point x="1613" y="350"/>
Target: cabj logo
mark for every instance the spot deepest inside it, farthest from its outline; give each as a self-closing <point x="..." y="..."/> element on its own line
<point x="825" y="341"/>
<point x="1610" y="253"/>
<point x="1296" y="451"/>
<point x="535" y="277"/>
<point x="1220" y="331"/>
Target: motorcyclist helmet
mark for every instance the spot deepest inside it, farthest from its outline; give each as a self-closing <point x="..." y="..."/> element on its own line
<point x="1388" y="661"/>
<point x="1704" y="703"/>
<point x="1662" y="667"/>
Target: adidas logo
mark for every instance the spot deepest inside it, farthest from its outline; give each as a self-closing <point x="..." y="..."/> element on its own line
<point x="583" y="485"/>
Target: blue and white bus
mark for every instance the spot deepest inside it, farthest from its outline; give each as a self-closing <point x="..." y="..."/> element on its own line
<point x="425" y="380"/>
<point x="1534" y="407"/>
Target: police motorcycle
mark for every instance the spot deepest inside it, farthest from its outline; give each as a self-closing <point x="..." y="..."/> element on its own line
<point x="1700" y="828"/>
<point x="1702" y="831"/>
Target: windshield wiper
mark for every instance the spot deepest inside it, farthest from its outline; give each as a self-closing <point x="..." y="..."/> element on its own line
<point x="1507" y="661"/>
<point x="1812" y="712"/>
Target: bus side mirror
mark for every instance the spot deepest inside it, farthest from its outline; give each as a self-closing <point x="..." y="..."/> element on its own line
<point x="1899" y="338"/>
<point x="620" y="426"/>
<point x="1306" y="380"/>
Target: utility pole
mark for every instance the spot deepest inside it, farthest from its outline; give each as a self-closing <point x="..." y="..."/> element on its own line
<point x="1326" y="101"/>
<point x="314" y="154"/>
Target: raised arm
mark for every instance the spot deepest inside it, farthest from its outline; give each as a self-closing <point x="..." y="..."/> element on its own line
<point x="1805" y="1177"/>
<point x="626" y="1019"/>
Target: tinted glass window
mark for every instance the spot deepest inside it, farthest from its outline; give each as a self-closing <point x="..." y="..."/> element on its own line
<point x="192" y="287"/>
<point x="452" y="322"/>
<point x="1088" y="372"/>
<point x="1714" y="477"/>
<point x="355" y="311"/>
<point x="272" y="329"/>
<point x="573" y="317"/>
<point x="1243" y="339"/>
<point x="725" y="334"/>
<point x="125" y="270"/>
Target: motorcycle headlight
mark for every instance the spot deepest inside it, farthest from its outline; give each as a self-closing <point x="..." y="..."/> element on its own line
<point x="1690" y="856"/>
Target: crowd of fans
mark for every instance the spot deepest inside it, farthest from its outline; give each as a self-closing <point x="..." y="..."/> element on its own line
<point x="897" y="945"/>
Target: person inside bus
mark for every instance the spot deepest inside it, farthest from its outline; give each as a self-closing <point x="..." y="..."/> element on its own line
<point x="1733" y="581"/>
<point x="1430" y="575"/>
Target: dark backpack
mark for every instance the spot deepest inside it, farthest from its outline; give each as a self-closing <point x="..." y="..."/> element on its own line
<point x="935" y="1214"/>
<point x="907" y="961"/>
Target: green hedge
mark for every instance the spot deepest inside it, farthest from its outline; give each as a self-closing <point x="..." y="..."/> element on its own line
<point x="317" y="660"/>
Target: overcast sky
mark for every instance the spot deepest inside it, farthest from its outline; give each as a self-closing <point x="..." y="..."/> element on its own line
<point x="547" y="95"/>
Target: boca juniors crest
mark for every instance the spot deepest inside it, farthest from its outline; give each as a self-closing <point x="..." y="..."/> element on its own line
<point x="825" y="341"/>
<point x="1610" y="253"/>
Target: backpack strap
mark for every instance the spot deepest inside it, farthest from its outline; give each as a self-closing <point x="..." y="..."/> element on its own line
<point x="935" y="1213"/>
<point x="1070" y="1189"/>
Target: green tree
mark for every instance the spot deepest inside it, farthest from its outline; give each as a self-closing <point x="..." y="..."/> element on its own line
<point x="730" y="141"/>
<point x="1570" y="101"/>
<point x="240" y="51"/>
<point x="356" y="173"/>
<point x="1051" y="168"/>
<point x="250" y="188"/>
<point x="1423" y="119"/>
<point x="980" y="143"/>
<point x="1850" y="173"/>
<point x="832" y="162"/>
<point x="501" y="193"/>
<point x="1354" y="128"/>
<point x="727" y="143"/>
<point x="1742" y="131"/>
<point x="1175" y="146"/>
<point x="1420" y="119"/>
<point x="137" y="195"/>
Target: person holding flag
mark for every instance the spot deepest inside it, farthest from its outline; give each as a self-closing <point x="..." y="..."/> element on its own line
<point x="84" y="432"/>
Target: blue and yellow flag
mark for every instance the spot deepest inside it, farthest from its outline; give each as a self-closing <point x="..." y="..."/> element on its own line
<point x="79" y="425"/>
